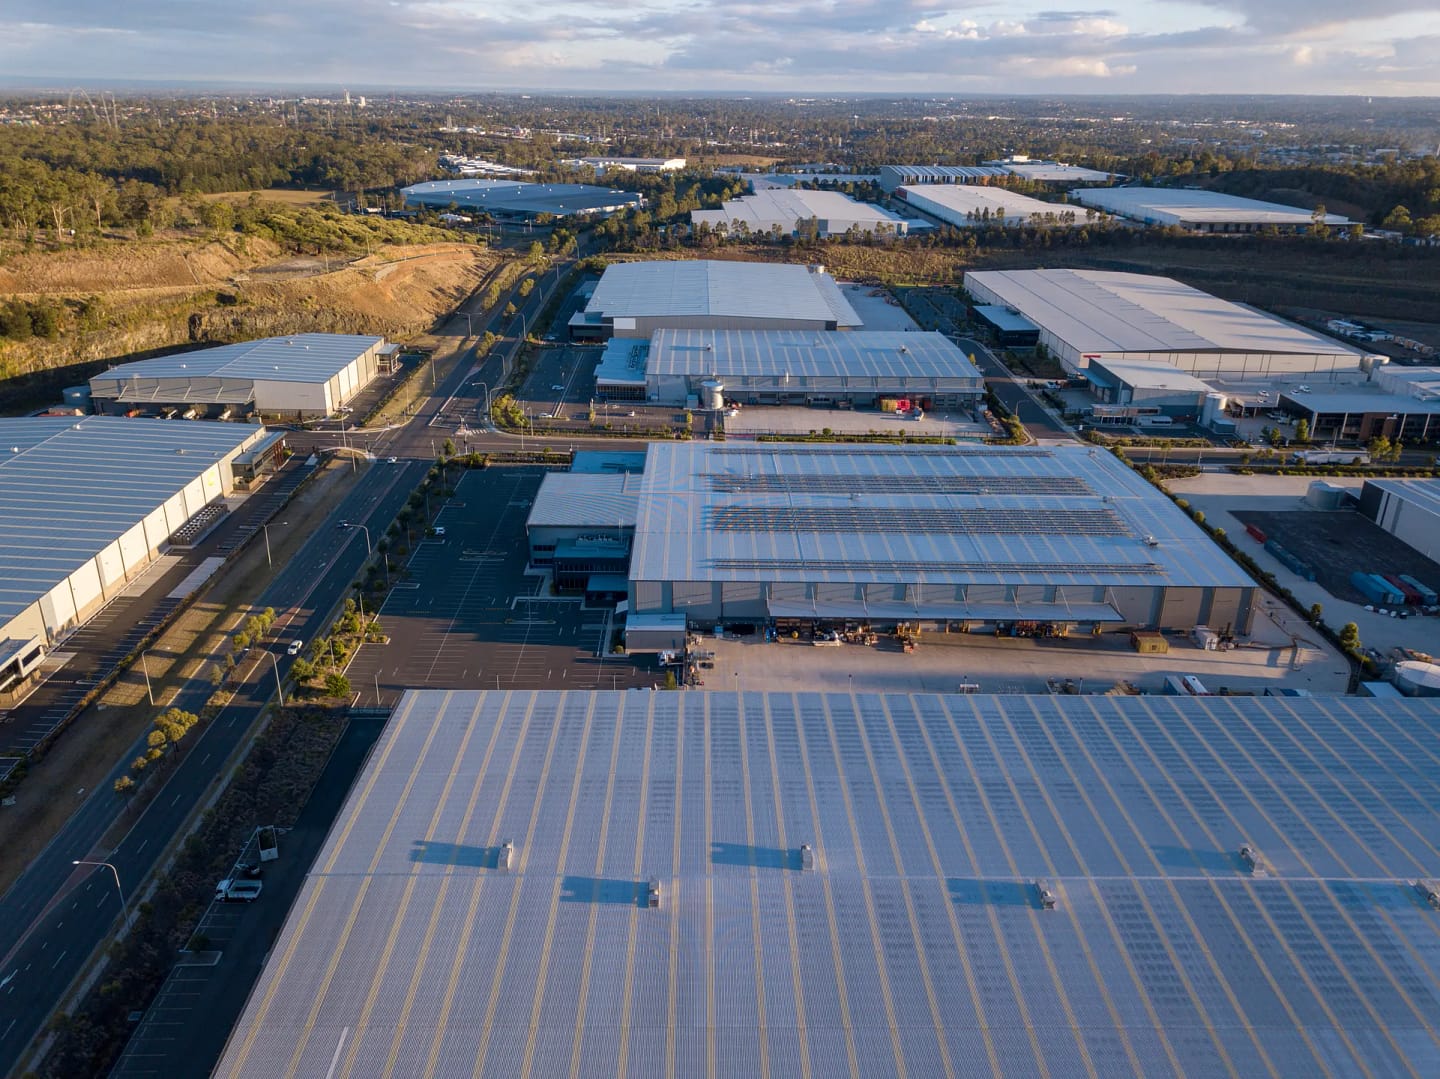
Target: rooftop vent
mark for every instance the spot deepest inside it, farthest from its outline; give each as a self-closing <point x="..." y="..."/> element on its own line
<point x="807" y="857"/>
<point x="1151" y="541"/>
<point x="652" y="895"/>
<point x="1046" y="893"/>
<point x="1252" y="859"/>
<point x="1429" y="891"/>
<point x="506" y="858"/>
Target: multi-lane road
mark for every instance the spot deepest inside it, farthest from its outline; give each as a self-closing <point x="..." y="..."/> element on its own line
<point x="57" y="913"/>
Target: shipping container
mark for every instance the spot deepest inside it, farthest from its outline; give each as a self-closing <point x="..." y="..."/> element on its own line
<point x="1427" y="594"/>
<point x="1256" y="532"/>
<point x="1376" y="590"/>
<point x="1412" y="595"/>
<point x="1290" y="560"/>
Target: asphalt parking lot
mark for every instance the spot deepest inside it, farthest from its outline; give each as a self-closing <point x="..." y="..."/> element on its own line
<point x="467" y="616"/>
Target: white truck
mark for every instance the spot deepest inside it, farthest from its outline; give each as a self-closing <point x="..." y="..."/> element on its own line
<point x="1331" y="457"/>
<point x="237" y="891"/>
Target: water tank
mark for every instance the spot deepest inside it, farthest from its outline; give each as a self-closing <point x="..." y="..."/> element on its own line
<point x="1212" y="409"/>
<point x="1416" y="679"/>
<point x="77" y="397"/>
<point x="712" y="394"/>
<point x="1326" y="496"/>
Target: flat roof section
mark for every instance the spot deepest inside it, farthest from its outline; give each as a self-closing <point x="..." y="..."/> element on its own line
<point x="998" y="885"/>
<point x="1150" y="376"/>
<point x="603" y="500"/>
<point x="799" y="353"/>
<point x="1002" y="318"/>
<point x="704" y="288"/>
<point x="906" y="514"/>
<point x="1182" y="206"/>
<point x="1107" y="311"/>
<point x="1423" y="494"/>
<point x="70" y="487"/>
<point x="623" y="362"/>
<point x="303" y="357"/>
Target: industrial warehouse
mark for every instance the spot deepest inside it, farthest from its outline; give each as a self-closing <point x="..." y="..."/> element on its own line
<point x="789" y="212"/>
<point x="303" y="376"/>
<point x="87" y="504"/>
<point x="706" y="368"/>
<point x="1041" y="541"/>
<point x="966" y="206"/>
<point x="1086" y="315"/>
<point x="634" y="299"/>
<point x="1201" y="211"/>
<point x="516" y="200"/>
<point x="1408" y="509"/>
<point x="648" y="883"/>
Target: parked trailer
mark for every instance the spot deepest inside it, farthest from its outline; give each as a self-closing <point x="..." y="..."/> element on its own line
<point x="1375" y="589"/>
<point x="1412" y="595"/>
<point x="1427" y="594"/>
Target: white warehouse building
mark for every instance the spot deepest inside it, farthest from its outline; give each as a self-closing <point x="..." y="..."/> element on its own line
<point x="1200" y="211"/>
<point x="968" y="205"/>
<point x="87" y="504"/>
<point x="634" y="299"/>
<point x="304" y="375"/>
<point x="788" y="210"/>
<point x="1086" y="315"/>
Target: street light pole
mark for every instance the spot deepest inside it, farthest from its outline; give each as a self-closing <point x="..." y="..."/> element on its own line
<point x="114" y="872"/>
<point x="266" y="529"/>
<point x="144" y="667"/>
<point x="279" y="688"/>
<point x="368" y="549"/>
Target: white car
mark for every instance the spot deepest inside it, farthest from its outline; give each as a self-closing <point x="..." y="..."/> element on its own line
<point x="391" y="460"/>
<point x="557" y="387"/>
<point x="294" y="648"/>
<point x="440" y="531"/>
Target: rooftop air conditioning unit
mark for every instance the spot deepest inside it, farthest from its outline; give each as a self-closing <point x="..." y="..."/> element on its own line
<point x="807" y="857"/>
<point x="506" y="858"/>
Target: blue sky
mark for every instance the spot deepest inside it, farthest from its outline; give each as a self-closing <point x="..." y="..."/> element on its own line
<point x="1381" y="47"/>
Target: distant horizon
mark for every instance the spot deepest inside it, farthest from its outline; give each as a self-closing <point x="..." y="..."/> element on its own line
<point x="35" y="85"/>
<point x="1324" y="48"/>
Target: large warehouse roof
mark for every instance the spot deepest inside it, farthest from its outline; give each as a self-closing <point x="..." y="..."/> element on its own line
<point x="915" y="941"/>
<point x="788" y="207"/>
<point x="984" y="205"/>
<point x="740" y="290"/>
<point x="515" y="197"/>
<point x="932" y="514"/>
<point x="1178" y="206"/>
<point x="70" y="487"/>
<point x="1051" y="172"/>
<point x="1423" y="494"/>
<point x="303" y="357"/>
<point x="859" y="354"/>
<point x="1105" y="311"/>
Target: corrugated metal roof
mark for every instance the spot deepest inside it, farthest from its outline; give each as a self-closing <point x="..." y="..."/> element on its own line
<point x="913" y="514"/>
<point x="1105" y="311"/>
<point x="70" y="487"/>
<point x="952" y="202"/>
<point x="304" y="357"/>
<point x="1361" y="401"/>
<point x="604" y="500"/>
<point x="856" y="353"/>
<point x="916" y="944"/>
<point x="1180" y="206"/>
<point x="739" y="290"/>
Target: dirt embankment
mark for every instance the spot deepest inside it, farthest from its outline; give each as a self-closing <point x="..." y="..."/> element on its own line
<point x="126" y="299"/>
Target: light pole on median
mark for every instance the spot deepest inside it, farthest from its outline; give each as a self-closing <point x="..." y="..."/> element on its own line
<point x="368" y="549"/>
<point x="469" y="330"/>
<point x="279" y="688"/>
<point x="266" y="529"/>
<point x="114" y="872"/>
